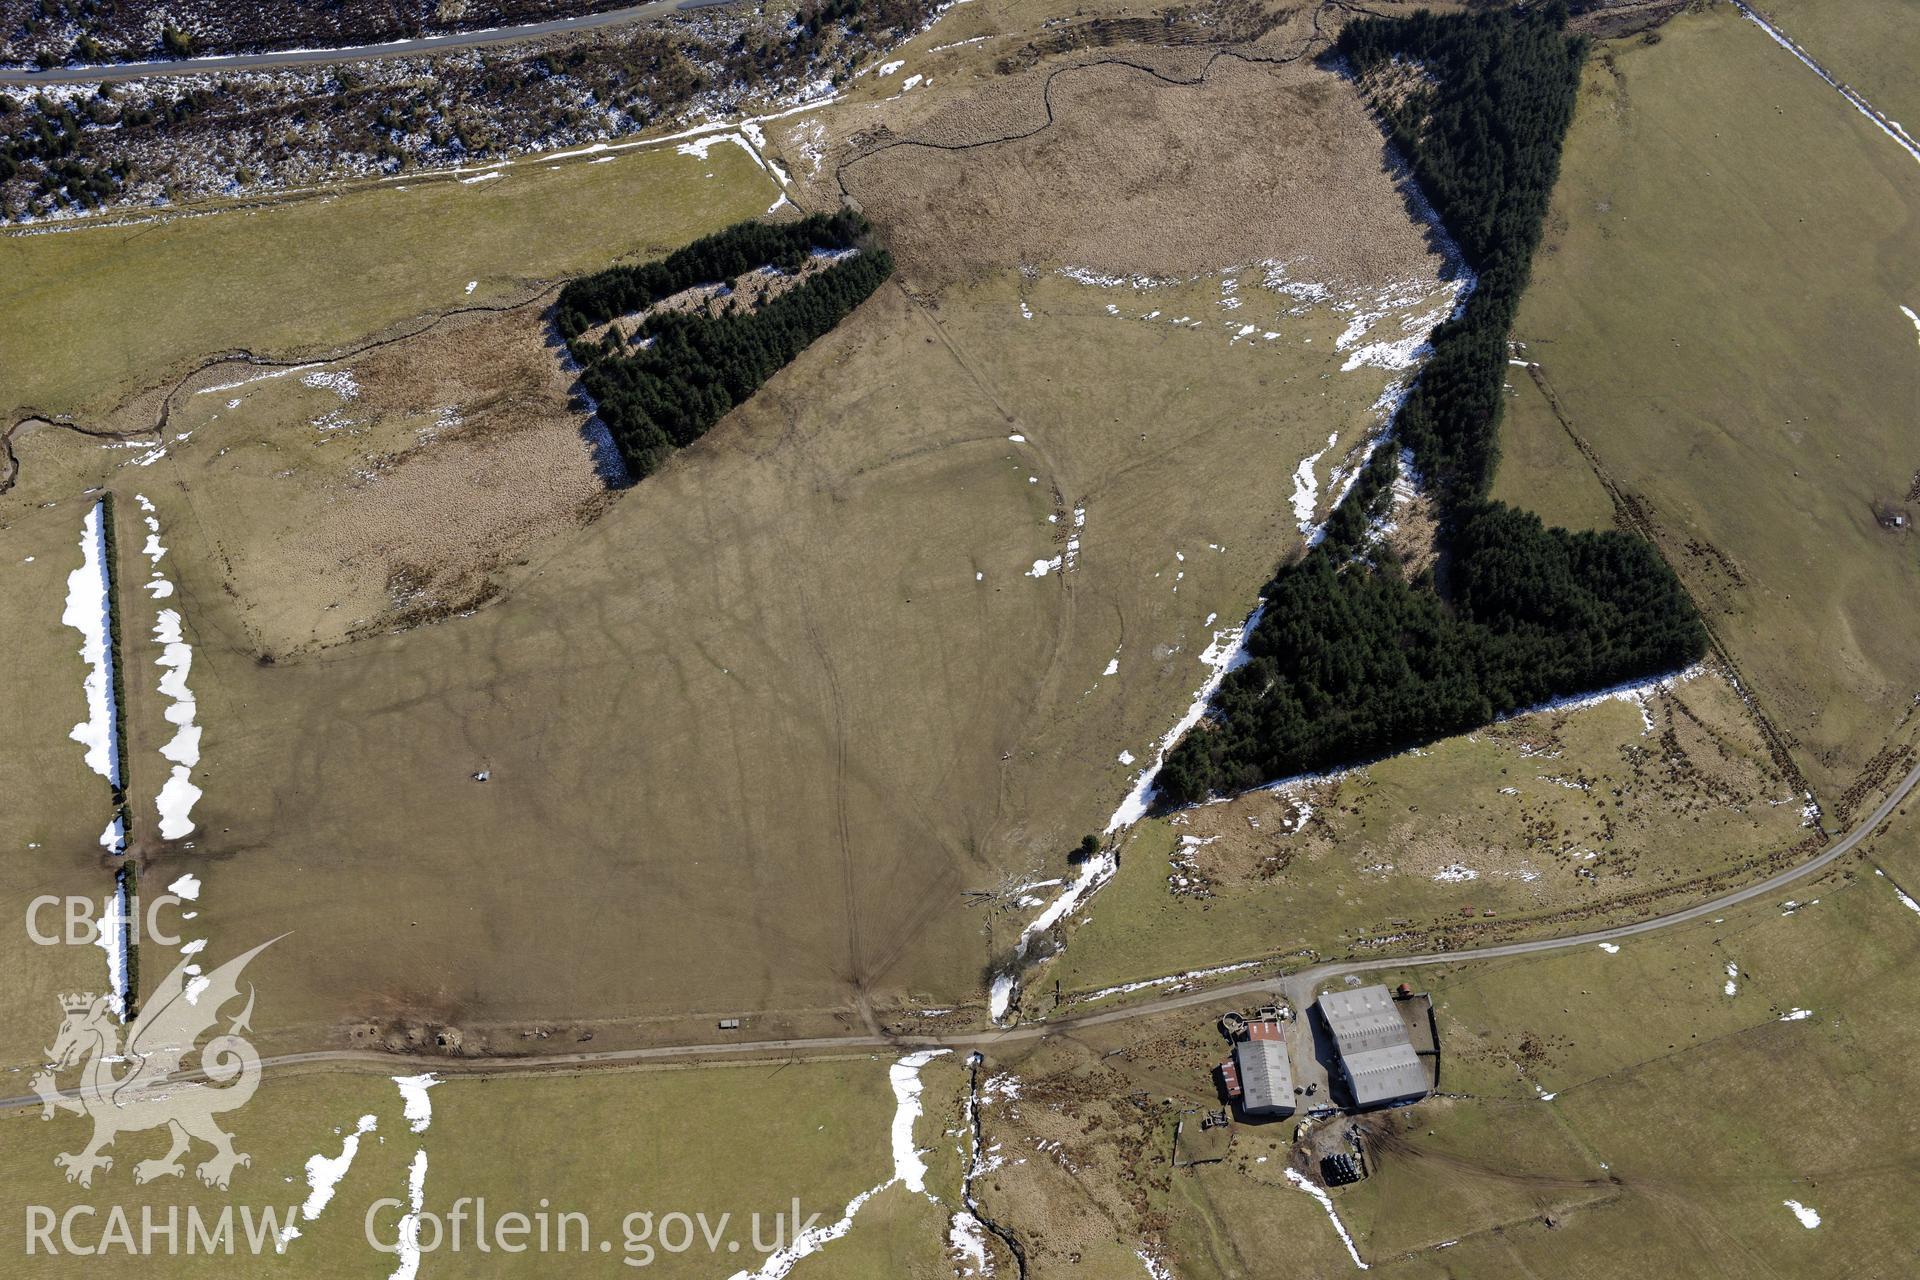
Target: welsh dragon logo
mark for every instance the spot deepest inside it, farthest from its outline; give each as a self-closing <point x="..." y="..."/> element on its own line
<point x="151" y="1093"/>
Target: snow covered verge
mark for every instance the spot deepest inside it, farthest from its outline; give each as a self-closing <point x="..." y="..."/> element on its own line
<point x="1881" y="121"/>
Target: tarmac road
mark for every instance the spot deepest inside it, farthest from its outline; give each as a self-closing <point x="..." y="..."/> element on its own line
<point x="1299" y="988"/>
<point x="349" y="53"/>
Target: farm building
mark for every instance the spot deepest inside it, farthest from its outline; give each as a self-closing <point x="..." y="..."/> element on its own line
<point x="1377" y="1057"/>
<point x="1258" y="1075"/>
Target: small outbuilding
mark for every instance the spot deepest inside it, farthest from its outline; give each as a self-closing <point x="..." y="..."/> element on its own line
<point x="1258" y="1076"/>
<point x="1377" y="1057"/>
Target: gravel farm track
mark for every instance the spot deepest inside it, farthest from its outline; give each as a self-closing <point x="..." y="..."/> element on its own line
<point x="1297" y="987"/>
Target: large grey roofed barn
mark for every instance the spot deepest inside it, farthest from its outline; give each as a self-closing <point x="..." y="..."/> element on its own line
<point x="1376" y="1053"/>
<point x="1266" y="1078"/>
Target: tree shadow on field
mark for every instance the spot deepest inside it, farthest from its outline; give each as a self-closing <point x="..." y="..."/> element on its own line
<point x="1421" y="213"/>
<point x="1399" y="169"/>
<point x="608" y="462"/>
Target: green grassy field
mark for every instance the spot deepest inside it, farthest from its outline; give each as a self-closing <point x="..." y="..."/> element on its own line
<point x="89" y="315"/>
<point x="726" y="1142"/>
<point x="1717" y="308"/>
<point x="1870" y="46"/>
<point x="1607" y="1113"/>
<point x="1708" y="1110"/>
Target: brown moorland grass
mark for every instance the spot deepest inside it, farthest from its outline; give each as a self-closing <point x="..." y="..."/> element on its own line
<point x="1026" y="201"/>
<point x="750" y="734"/>
<point x="450" y="458"/>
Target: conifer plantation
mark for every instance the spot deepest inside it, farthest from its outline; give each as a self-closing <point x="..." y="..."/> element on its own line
<point x="1352" y="660"/>
<point x="677" y="373"/>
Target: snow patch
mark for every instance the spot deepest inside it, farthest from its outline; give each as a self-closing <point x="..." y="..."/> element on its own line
<point x="323" y="1175"/>
<point x="1176" y="980"/>
<point x="1326" y="1202"/>
<point x="967" y="1240"/>
<point x="258" y="377"/>
<point x="1637" y="692"/>
<point x="1306" y="488"/>
<point x="909" y="1165"/>
<point x="419" y="1108"/>
<point x="408" y="1245"/>
<point x="1809" y="1218"/>
<point x="340" y="381"/>
<point x="699" y="147"/>
<point x="1156" y="1269"/>
<point x="1901" y="894"/>
<point x="178" y="794"/>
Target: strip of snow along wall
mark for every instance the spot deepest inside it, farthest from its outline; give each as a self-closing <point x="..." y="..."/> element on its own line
<point x="89" y="611"/>
<point x="1326" y="1202"/>
<point x="1224" y="654"/>
<point x="1881" y="121"/>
